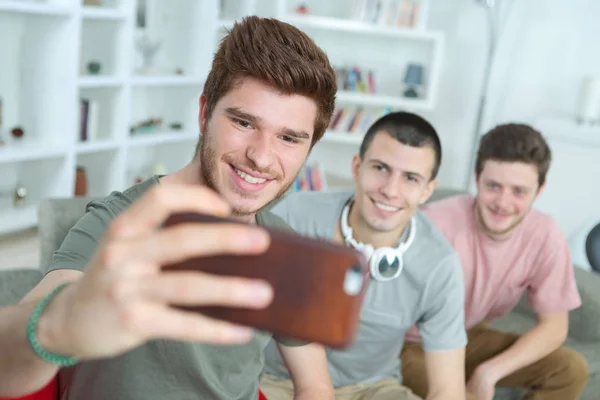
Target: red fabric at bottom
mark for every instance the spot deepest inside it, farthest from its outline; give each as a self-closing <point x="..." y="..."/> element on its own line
<point x="50" y="392"/>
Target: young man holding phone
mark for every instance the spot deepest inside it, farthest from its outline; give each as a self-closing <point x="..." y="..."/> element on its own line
<point x="416" y="276"/>
<point x="105" y="304"/>
<point x="507" y="248"/>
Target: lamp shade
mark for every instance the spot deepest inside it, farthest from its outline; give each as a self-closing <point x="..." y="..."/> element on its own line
<point x="414" y="74"/>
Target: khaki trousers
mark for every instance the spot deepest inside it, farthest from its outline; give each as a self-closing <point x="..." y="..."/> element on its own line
<point x="275" y="388"/>
<point x="561" y="375"/>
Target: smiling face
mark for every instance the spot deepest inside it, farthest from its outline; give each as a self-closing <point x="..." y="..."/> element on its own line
<point x="392" y="180"/>
<point x="506" y="192"/>
<point x="254" y="144"/>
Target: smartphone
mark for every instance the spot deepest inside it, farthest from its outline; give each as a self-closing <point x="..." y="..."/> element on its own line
<point x="318" y="285"/>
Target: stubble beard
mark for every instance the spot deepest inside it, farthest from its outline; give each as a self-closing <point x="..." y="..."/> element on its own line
<point x="493" y="232"/>
<point x="208" y="160"/>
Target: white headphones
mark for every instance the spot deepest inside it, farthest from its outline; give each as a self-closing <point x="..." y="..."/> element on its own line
<point x="385" y="262"/>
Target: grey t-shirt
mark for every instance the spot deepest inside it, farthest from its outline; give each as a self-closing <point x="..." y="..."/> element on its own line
<point x="159" y="369"/>
<point x="429" y="293"/>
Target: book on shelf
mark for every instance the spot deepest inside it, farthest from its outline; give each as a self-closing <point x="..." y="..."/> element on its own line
<point x="355" y="119"/>
<point x="311" y="177"/>
<point x="391" y="13"/>
<point x="88" y="120"/>
<point x="354" y="79"/>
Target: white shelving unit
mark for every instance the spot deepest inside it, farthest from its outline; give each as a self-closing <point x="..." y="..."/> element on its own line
<point x="569" y="131"/>
<point x="56" y="52"/>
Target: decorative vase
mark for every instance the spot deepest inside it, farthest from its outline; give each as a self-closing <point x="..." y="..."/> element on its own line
<point x="81" y="188"/>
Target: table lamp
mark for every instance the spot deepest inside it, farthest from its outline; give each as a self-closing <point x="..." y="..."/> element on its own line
<point x="413" y="79"/>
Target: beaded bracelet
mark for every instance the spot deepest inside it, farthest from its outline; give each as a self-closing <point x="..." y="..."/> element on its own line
<point x="52" y="358"/>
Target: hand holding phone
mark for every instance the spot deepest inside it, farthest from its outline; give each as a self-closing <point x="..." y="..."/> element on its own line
<point x="318" y="286"/>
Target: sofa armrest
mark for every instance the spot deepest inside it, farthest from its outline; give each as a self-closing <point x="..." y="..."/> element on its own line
<point x="584" y="322"/>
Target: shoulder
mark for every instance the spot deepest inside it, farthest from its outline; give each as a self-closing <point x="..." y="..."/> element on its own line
<point x="312" y="213"/>
<point x="430" y="235"/>
<point x="84" y="228"/>
<point x="268" y="219"/>
<point x="310" y="199"/>
<point x="118" y="201"/>
<point x="543" y="222"/>
<point x="451" y="215"/>
<point x="309" y="205"/>
<point x="99" y="212"/>
<point x="461" y="203"/>
<point x="543" y="229"/>
<point x="432" y="245"/>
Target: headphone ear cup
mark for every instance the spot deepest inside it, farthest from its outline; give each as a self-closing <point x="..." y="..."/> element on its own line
<point x="389" y="256"/>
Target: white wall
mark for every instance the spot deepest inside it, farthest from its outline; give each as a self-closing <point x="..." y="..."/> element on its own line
<point x="546" y="49"/>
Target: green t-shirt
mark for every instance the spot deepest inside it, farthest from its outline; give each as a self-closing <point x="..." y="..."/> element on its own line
<point x="159" y="369"/>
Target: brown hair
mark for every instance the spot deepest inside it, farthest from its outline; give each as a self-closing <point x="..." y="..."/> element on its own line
<point x="515" y="143"/>
<point x="279" y="55"/>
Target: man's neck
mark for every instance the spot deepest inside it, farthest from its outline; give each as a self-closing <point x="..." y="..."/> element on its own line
<point x="246" y="218"/>
<point x="362" y="233"/>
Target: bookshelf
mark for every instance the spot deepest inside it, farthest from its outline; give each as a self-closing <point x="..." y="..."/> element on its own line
<point x="63" y="57"/>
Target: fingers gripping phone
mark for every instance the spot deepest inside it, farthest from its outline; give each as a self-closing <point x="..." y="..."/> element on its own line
<point x="318" y="286"/>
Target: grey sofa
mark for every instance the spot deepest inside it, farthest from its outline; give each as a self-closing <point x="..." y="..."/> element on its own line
<point x="57" y="216"/>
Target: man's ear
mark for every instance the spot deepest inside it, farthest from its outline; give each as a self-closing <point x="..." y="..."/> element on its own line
<point x="356" y="161"/>
<point x="429" y="189"/>
<point x="202" y="120"/>
<point x="540" y="190"/>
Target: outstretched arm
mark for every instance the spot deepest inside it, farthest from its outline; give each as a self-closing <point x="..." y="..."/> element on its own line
<point x="21" y="370"/>
<point x="446" y="374"/>
<point x="308" y="369"/>
<point x="546" y="336"/>
<point x="552" y="292"/>
<point x="113" y="307"/>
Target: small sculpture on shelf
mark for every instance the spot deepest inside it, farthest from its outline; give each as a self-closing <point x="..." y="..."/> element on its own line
<point x="176" y="126"/>
<point x="20" y="195"/>
<point x="94" y="67"/>
<point x="2" y="142"/>
<point x="17" y="132"/>
<point x="148" y="49"/>
<point x="146" y="126"/>
<point x="302" y="9"/>
<point x="159" y="169"/>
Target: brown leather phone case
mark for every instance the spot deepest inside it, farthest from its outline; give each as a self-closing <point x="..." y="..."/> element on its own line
<point x="318" y="285"/>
